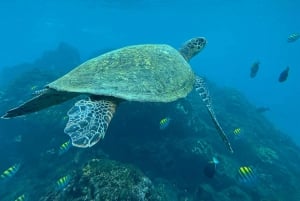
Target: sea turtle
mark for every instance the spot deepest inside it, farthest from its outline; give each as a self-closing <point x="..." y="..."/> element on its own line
<point x="145" y="73"/>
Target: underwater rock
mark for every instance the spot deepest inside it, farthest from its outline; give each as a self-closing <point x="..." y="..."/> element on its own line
<point x="23" y="80"/>
<point x="200" y="147"/>
<point x="104" y="179"/>
<point x="61" y="60"/>
<point x="234" y="193"/>
<point x="206" y="192"/>
<point x="266" y="154"/>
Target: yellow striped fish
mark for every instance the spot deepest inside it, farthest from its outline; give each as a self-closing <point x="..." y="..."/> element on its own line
<point x="246" y="174"/>
<point x="64" y="147"/>
<point x="164" y="123"/>
<point x="62" y="182"/>
<point x="10" y="172"/>
<point x="293" y="37"/>
<point x="237" y="131"/>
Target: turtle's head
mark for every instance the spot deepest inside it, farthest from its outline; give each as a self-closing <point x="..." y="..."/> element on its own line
<point x="192" y="47"/>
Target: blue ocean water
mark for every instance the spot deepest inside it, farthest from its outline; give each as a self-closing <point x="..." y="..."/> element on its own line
<point x="239" y="33"/>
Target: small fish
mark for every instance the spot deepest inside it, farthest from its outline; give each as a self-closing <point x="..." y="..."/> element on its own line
<point x="254" y="69"/>
<point x="237" y="131"/>
<point x="246" y="174"/>
<point x="22" y="197"/>
<point x="210" y="168"/>
<point x="284" y="75"/>
<point x="10" y="172"/>
<point x="62" y="182"/>
<point x="262" y="109"/>
<point x="164" y="123"/>
<point x="64" y="147"/>
<point x="293" y="37"/>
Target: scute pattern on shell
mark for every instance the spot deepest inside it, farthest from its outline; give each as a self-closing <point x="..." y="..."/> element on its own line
<point x="153" y="73"/>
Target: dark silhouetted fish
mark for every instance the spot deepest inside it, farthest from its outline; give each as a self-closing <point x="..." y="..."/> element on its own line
<point x="254" y="69"/>
<point x="293" y="37"/>
<point x="284" y="75"/>
<point x="262" y="109"/>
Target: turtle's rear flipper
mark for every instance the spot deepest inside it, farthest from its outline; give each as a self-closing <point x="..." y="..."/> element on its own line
<point x="89" y="120"/>
<point x="202" y="90"/>
<point x="46" y="98"/>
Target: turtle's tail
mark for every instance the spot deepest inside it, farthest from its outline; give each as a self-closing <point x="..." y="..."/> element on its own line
<point x="45" y="99"/>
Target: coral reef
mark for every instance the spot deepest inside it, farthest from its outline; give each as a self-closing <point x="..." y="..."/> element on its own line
<point x="103" y="179"/>
<point x="267" y="155"/>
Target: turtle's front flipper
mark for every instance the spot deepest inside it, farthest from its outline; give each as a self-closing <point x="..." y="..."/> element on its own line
<point x="44" y="99"/>
<point x="202" y="90"/>
<point x="89" y="120"/>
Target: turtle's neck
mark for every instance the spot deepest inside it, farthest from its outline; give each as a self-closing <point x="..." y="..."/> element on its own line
<point x="186" y="53"/>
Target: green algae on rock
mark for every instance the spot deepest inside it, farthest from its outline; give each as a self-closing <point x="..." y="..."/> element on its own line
<point x="104" y="179"/>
